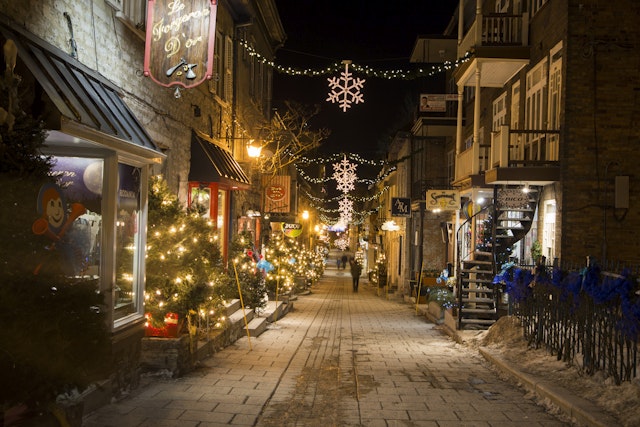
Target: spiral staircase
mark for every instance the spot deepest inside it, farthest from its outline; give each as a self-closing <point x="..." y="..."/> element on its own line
<point x="479" y="299"/>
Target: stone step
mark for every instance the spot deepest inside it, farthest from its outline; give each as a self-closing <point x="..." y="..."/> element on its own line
<point x="237" y="316"/>
<point x="272" y="312"/>
<point x="232" y="306"/>
<point x="257" y="326"/>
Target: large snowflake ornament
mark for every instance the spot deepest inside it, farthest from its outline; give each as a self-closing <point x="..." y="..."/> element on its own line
<point x="341" y="243"/>
<point x="345" y="90"/>
<point x="345" y="175"/>
<point x="346" y="210"/>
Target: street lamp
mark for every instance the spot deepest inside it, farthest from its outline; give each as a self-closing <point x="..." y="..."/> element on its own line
<point x="305" y="217"/>
<point x="253" y="150"/>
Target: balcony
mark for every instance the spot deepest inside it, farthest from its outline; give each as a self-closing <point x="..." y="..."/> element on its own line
<point x="499" y="44"/>
<point x="518" y="156"/>
<point x="470" y="163"/>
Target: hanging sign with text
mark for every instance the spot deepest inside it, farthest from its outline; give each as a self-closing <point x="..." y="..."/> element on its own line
<point x="444" y="200"/>
<point x="291" y="230"/>
<point x="400" y="206"/>
<point x="276" y="193"/>
<point x="512" y="198"/>
<point x="180" y="40"/>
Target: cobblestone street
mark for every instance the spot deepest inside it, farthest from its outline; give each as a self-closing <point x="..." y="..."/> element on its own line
<point x="338" y="359"/>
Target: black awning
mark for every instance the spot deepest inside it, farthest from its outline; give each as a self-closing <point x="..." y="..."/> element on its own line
<point x="213" y="163"/>
<point x="79" y="94"/>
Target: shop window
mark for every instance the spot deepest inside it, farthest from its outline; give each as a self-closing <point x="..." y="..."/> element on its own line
<point x="549" y="233"/>
<point x="79" y="182"/>
<point x="128" y="286"/>
<point x="201" y="200"/>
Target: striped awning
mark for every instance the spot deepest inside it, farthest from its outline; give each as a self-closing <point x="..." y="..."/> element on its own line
<point x="86" y="104"/>
<point x="212" y="163"/>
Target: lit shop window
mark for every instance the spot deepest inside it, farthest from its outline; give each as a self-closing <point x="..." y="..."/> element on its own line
<point x="128" y="242"/>
<point x="77" y="193"/>
<point x="201" y="200"/>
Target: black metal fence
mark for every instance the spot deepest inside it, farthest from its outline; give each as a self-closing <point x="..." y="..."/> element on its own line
<point x="588" y="318"/>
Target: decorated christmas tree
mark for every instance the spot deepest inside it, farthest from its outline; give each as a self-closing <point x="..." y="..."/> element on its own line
<point x="185" y="278"/>
<point x="252" y="279"/>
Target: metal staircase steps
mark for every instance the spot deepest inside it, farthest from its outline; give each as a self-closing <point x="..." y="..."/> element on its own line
<point x="478" y="297"/>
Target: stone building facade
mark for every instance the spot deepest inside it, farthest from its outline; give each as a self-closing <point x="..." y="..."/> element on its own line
<point x="82" y="65"/>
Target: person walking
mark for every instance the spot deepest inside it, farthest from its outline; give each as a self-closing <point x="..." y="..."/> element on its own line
<point x="344" y="261"/>
<point x="356" y="270"/>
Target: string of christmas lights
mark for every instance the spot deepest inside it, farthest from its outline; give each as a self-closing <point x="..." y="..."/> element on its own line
<point x="313" y="198"/>
<point x="366" y="181"/>
<point x="303" y="160"/>
<point x="366" y="70"/>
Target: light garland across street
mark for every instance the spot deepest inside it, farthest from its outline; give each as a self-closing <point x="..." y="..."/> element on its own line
<point x="368" y="71"/>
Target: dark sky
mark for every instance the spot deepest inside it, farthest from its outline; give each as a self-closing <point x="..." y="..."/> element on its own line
<point x="380" y="34"/>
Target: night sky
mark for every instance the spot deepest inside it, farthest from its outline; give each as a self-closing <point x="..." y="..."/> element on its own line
<point x="380" y="34"/>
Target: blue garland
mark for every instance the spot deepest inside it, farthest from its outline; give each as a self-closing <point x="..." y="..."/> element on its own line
<point x="590" y="282"/>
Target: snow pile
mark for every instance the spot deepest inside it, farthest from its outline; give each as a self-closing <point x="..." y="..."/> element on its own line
<point x="505" y="339"/>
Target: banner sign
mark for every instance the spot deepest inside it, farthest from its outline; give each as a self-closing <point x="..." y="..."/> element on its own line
<point x="180" y="41"/>
<point x="430" y="103"/>
<point x="276" y="193"/>
<point x="400" y="206"/>
<point x="291" y="230"/>
<point x="512" y="198"/>
<point x="445" y="200"/>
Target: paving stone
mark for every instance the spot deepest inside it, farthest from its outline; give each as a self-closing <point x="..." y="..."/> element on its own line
<point x="339" y="359"/>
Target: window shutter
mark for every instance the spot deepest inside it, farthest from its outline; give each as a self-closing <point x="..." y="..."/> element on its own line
<point x="228" y="69"/>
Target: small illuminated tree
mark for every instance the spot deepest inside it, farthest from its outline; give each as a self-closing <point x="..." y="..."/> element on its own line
<point x="184" y="262"/>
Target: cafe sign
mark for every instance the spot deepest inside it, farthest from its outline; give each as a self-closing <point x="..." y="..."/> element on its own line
<point x="444" y="200"/>
<point x="291" y="230"/>
<point x="180" y="40"/>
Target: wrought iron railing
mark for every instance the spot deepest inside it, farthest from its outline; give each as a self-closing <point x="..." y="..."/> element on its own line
<point x="587" y="318"/>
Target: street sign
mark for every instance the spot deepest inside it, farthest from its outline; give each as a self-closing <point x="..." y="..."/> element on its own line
<point x="400" y="206"/>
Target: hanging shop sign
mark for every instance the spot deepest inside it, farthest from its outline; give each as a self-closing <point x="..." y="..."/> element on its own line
<point x="291" y="230"/>
<point x="276" y="193"/>
<point x="512" y="198"/>
<point x="180" y="41"/>
<point x="400" y="206"/>
<point x="444" y="200"/>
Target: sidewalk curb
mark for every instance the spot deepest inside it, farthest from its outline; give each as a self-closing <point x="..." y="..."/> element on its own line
<point x="579" y="409"/>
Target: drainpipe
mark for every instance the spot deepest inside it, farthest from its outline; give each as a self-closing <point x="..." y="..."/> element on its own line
<point x="460" y="24"/>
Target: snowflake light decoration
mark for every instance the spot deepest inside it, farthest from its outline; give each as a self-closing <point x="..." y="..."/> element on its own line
<point x="345" y="206"/>
<point x="345" y="90"/>
<point x="345" y="175"/>
<point x="341" y="243"/>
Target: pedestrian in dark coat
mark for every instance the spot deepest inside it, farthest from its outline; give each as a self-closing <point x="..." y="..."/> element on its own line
<point x="344" y="261"/>
<point x="356" y="270"/>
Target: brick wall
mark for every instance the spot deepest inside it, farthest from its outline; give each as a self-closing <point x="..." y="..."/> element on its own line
<point x="602" y="107"/>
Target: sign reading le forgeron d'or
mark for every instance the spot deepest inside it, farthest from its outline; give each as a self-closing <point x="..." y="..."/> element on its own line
<point x="180" y="41"/>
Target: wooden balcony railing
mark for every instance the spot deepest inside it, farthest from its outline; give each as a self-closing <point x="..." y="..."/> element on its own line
<point x="510" y="147"/>
<point x="496" y="29"/>
<point x="472" y="161"/>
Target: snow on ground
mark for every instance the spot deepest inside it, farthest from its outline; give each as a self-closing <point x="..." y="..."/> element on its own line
<point x="505" y="339"/>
